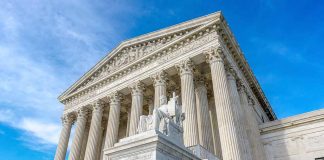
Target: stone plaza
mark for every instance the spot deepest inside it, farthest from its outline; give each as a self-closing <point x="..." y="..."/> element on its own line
<point x="182" y="92"/>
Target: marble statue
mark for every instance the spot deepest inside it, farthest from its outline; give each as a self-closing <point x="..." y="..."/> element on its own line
<point x="169" y="111"/>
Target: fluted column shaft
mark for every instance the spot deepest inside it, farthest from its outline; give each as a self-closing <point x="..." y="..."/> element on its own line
<point x="113" y="120"/>
<point x="101" y="142"/>
<point x="137" y="107"/>
<point x="84" y="141"/>
<point x="95" y="129"/>
<point x="204" y="127"/>
<point x="252" y="128"/>
<point x="102" y="156"/>
<point x="150" y="105"/>
<point x="159" y="81"/>
<point x="255" y="131"/>
<point x="64" y="138"/>
<point x="214" y="126"/>
<point x="239" y="117"/>
<point x="225" y="116"/>
<point x="128" y="120"/>
<point x="78" y="135"/>
<point x="190" y="127"/>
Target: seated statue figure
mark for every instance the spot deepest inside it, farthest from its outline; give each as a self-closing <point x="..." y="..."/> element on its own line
<point x="175" y="110"/>
<point x="162" y="116"/>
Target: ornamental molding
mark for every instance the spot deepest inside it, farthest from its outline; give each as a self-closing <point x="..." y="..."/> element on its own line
<point x="130" y="54"/>
<point x="115" y="98"/>
<point x="200" y="31"/>
<point x="160" y="78"/>
<point x="185" y="66"/>
<point x="137" y="88"/>
<point x="193" y="40"/>
<point x="134" y="49"/>
<point x="68" y="119"/>
<point x="231" y="46"/>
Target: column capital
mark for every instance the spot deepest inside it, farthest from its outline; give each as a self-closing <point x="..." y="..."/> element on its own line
<point x="214" y="54"/>
<point x="137" y="88"/>
<point x="98" y="106"/>
<point x="82" y="113"/>
<point x="115" y="97"/>
<point x="231" y="73"/>
<point x="67" y="119"/>
<point x="185" y="67"/>
<point x="159" y="78"/>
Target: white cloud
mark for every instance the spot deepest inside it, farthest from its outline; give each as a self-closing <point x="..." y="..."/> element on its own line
<point x="47" y="132"/>
<point x="44" y="47"/>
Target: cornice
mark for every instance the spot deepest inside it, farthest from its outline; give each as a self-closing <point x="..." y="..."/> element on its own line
<point x="234" y="49"/>
<point x="141" y="39"/>
<point x="183" y="44"/>
<point x="294" y="121"/>
<point x="199" y="27"/>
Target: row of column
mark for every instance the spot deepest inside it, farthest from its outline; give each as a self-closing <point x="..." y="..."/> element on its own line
<point x="238" y="129"/>
<point x="136" y="110"/>
<point x="223" y="124"/>
<point x="91" y="148"/>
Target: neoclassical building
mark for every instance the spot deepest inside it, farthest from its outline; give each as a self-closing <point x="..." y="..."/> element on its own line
<point x="226" y="111"/>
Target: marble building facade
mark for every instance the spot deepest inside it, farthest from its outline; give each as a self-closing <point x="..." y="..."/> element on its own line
<point x="226" y="111"/>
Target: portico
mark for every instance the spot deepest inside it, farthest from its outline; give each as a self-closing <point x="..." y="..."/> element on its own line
<point x="200" y="61"/>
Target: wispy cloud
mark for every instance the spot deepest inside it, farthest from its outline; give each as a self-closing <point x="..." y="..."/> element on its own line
<point x="44" y="48"/>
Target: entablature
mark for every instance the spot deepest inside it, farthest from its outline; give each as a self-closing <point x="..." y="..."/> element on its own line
<point x="131" y="59"/>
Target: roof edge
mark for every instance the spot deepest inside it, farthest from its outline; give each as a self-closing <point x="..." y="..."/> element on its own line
<point x="141" y="38"/>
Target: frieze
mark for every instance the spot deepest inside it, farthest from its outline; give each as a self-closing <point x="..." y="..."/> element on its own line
<point x="131" y="54"/>
<point x="189" y="47"/>
<point x="179" y="48"/>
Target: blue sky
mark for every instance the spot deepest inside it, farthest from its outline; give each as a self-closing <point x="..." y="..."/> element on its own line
<point x="46" y="45"/>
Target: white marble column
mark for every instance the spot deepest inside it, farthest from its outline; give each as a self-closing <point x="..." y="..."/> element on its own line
<point x="129" y="109"/>
<point x="204" y="126"/>
<point x="84" y="140"/>
<point x="101" y="141"/>
<point x="159" y="81"/>
<point x="252" y="128"/>
<point x="259" y="148"/>
<point x="95" y="129"/>
<point x="231" y="149"/>
<point x="214" y="126"/>
<point x="113" y="120"/>
<point x="137" y="106"/>
<point x="190" y="127"/>
<point x="102" y="155"/>
<point x="239" y="116"/>
<point x="60" y="154"/>
<point x="78" y="135"/>
<point x="150" y="105"/>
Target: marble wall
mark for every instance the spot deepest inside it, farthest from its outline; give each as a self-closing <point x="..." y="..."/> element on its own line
<point x="298" y="137"/>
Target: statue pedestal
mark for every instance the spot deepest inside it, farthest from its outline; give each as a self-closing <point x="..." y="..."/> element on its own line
<point x="160" y="137"/>
<point x="149" y="145"/>
<point x="202" y="153"/>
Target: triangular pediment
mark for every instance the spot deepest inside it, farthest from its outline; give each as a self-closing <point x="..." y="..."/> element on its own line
<point x="134" y="49"/>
